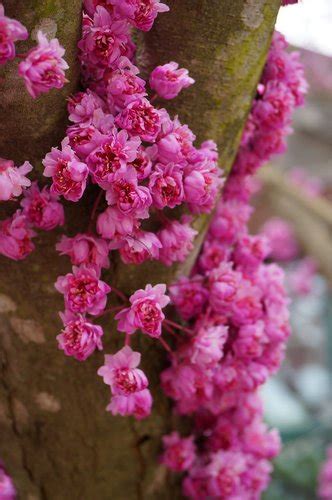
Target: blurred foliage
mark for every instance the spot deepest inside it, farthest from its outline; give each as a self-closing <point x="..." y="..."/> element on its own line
<point x="296" y="469"/>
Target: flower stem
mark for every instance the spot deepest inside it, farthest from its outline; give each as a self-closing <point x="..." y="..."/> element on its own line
<point x="94" y="210"/>
<point x="179" y="327"/>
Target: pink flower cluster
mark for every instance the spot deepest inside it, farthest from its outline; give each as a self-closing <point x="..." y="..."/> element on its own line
<point x="130" y="395"/>
<point x="43" y="68"/>
<point x="40" y="209"/>
<point x="281" y="90"/>
<point x="238" y="321"/>
<point x="325" y="478"/>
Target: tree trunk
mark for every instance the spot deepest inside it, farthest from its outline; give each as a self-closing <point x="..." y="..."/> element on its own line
<point x="57" y="441"/>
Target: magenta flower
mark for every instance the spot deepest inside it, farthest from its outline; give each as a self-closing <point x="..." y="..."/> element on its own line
<point x="120" y="372"/>
<point x="79" y="338"/>
<point x="82" y="106"/>
<point x="166" y="185"/>
<point x="201" y="185"/>
<point x="83" y="291"/>
<point x="141" y="13"/>
<point x="288" y="2"/>
<point x="138" y="405"/>
<point x="113" y="153"/>
<point x="127" y="195"/>
<point x="13" y="179"/>
<point x="139" y="247"/>
<point x="69" y="175"/>
<point x="124" y="85"/>
<point x="15" y="237"/>
<point x="10" y="32"/>
<point x="140" y="118"/>
<point x="142" y="163"/>
<point x="250" y="252"/>
<point x="145" y="312"/>
<point x="168" y="80"/>
<point x="189" y="296"/>
<point x="114" y="225"/>
<point x="85" y="249"/>
<point x="179" y="453"/>
<point x="7" y="488"/>
<point x="177" y="241"/>
<point x="44" y="67"/>
<point x="42" y="208"/>
<point x="282" y="239"/>
<point x="325" y="477"/>
<point x="103" y="39"/>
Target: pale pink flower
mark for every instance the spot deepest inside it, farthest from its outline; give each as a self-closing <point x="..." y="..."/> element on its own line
<point x="79" y="338"/>
<point x="140" y="118"/>
<point x="179" y="453"/>
<point x="83" y="291"/>
<point x="85" y="249"/>
<point x="42" y="208"/>
<point x="15" y="237"/>
<point x="13" y="179"/>
<point x="10" y="32"/>
<point x="145" y="312"/>
<point x="44" y="67"/>
<point x="69" y="175"/>
<point x="166" y="185"/>
<point x="168" y="80"/>
<point x="177" y="241"/>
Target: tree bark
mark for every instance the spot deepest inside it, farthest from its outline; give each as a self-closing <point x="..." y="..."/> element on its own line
<point x="57" y="441"/>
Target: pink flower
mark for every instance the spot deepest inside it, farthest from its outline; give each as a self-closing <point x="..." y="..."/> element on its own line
<point x="251" y="340"/>
<point x="142" y="163"/>
<point x="115" y="152"/>
<point x="325" y="477"/>
<point x="145" y="312"/>
<point x="207" y="345"/>
<point x="79" y="338"/>
<point x="138" y="404"/>
<point x="114" y="225"/>
<point x="166" y="185"/>
<point x="103" y="39"/>
<point x="139" y="247"/>
<point x="123" y="84"/>
<point x="177" y="241"/>
<point x="68" y="174"/>
<point x="282" y="239"/>
<point x="224" y="285"/>
<point x="201" y="185"/>
<point x="83" y="291"/>
<point x="44" y="67"/>
<point x="10" y="32"/>
<point x="301" y="278"/>
<point x="179" y="453"/>
<point x="226" y="469"/>
<point x="120" y="372"/>
<point x="82" y="106"/>
<point x="127" y="195"/>
<point x="15" y="237"/>
<point x="176" y="142"/>
<point x="250" y="252"/>
<point x="42" y="208"/>
<point x="289" y="2"/>
<point x="168" y="80"/>
<point x="12" y="179"/>
<point x="7" y="489"/>
<point x="189" y="296"/>
<point x="140" y="118"/>
<point x="85" y="249"/>
<point x="141" y="13"/>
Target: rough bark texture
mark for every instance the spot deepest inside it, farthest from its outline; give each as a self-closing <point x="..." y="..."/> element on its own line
<point x="56" y="439"/>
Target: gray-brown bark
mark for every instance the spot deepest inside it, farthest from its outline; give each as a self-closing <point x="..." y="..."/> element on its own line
<point x="56" y="439"/>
